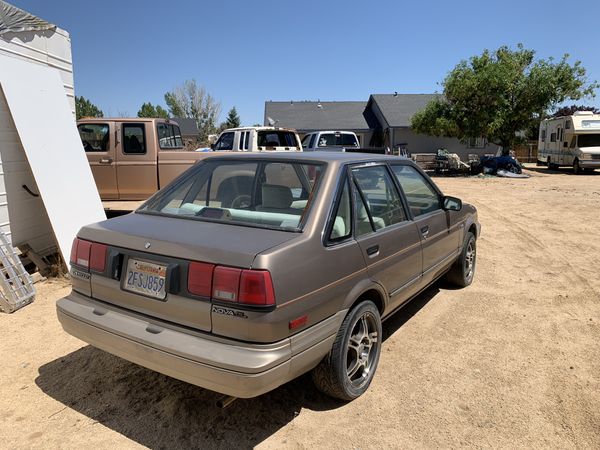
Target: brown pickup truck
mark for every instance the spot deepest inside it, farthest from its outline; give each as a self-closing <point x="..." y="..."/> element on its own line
<point x="131" y="159"/>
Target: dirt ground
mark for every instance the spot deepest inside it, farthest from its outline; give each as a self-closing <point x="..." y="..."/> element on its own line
<point x="512" y="361"/>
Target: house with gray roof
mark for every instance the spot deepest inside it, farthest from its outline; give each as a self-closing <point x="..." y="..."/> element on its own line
<point x="382" y="121"/>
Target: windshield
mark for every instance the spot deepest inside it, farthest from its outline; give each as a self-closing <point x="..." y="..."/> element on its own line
<point x="588" y="140"/>
<point x="269" y="194"/>
<point x="337" y="140"/>
<point x="274" y="138"/>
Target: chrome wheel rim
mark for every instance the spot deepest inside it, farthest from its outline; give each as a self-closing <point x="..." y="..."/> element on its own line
<point x="363" y="347"/>
<point x="470" y="260"/>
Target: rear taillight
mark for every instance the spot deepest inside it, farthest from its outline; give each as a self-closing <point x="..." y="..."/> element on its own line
<point x="90" y="255"/>
<point x="248" y="287"/>
<point x="226" y="283"/>
<point x="256" y="288"/>
<point x="200" y="277"/>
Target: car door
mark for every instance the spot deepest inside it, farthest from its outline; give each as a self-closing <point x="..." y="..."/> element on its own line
<point x="100" y="152"/>
<point x="136" y="161"/>
<point x="389" y="240"/>
<point x="439" y="236"/>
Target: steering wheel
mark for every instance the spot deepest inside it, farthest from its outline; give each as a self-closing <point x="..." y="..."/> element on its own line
<point x="241" y="201"/>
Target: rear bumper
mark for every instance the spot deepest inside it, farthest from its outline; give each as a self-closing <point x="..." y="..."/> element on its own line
<point x="222" y="365"/>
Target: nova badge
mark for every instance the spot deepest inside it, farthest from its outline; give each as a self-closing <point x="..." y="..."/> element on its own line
<point x="229" y="312"/>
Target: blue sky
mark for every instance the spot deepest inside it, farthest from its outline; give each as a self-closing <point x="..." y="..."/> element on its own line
<point x="129" y="52"/>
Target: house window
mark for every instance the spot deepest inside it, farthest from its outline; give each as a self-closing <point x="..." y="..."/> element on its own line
<point x="478" y="142"/>
<point x="568" y="125"/>
<point x="543" y="138"/>
<point x="552" y="137"/>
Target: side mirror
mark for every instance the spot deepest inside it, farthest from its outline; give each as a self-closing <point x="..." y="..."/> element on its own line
<point x="452" y="203"/>
<point x="213" y="145"/>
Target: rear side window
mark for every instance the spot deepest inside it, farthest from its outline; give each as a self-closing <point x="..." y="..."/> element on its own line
<point x="378" y="201"/>
<point x="94" y="136"/>
<point x="421" y="196"/>
<point x="225" y="142"/>
<point x="276" y="138"/>
<point x="337" y="140"/>
<point x="341" y="227"/>
<point x="169" y="136"/>
<point x="134" y="138"/>
<point x="305" y="140"/>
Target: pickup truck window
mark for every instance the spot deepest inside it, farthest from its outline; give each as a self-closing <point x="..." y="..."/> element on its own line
<point x="225" y="142"/>
<point x="134" y="138"/>
<point x="277" y="139"/>
<point x="337" y="140"/>
<point x="94" y="136"/>
<point x="169" y="136"/>
<point x="267" y="194"/>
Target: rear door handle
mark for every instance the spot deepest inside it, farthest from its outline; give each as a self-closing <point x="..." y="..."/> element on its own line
<point x="425" y="231"/>
<point x="372" y="251"/>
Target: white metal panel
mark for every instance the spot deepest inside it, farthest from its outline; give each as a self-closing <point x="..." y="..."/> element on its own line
<point x="48" y="48"/>
<point x="29" y="226"/>
<point x="46" y="127"/>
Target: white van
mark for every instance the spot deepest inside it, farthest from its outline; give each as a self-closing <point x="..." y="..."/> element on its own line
<point x="570" y="141"/>
<point x="257" y="139"/>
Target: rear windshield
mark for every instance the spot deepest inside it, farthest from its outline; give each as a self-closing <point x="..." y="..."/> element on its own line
<point x="272" y="138"/>
<point x="337" y="140"/>
<point x="268" y="194"/>
<point x="588" y="140"/>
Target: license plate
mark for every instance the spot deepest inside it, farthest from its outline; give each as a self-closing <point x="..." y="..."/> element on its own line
<point x="145" y="278"/>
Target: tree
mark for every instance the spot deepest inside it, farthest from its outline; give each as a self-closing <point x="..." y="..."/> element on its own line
<point x="85" y="108"/>
<point x="499" y="94"/>
<point x="192" y="101"/>
<point x="233" y="120"/>
<point x="149" y="110"/>
<point x="570" y="110"/>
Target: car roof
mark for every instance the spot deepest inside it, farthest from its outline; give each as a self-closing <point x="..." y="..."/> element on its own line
<point x="326" y="157"/>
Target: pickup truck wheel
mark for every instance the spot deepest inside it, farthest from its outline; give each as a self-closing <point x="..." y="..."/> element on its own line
<point x="462" y="272"/>
<point x="346" y="372"/>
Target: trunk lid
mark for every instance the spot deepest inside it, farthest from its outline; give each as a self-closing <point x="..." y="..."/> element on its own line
<point x="173" y="243"/>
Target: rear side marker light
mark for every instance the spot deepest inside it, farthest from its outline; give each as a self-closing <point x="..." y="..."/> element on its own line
<point x="299" y="322"/>
<point x="200" y="277"/>
<point x="226" y="283"/>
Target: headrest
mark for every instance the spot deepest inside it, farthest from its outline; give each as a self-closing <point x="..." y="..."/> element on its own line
<point x="276" y="196"/>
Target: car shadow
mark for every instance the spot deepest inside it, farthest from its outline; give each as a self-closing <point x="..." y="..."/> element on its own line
<point x="161" y="412"/>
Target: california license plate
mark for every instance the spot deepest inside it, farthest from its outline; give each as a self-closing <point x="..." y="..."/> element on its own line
<point x="146" y="278"/>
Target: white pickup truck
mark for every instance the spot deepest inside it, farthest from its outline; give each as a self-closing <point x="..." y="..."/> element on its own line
<point x="257" y="139"/>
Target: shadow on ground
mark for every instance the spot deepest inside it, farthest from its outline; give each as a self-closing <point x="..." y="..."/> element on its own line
<point x="160" y="412"/>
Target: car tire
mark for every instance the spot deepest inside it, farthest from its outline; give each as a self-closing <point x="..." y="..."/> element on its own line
<point x="462" y="272"/>
<point x="347" y="371"/>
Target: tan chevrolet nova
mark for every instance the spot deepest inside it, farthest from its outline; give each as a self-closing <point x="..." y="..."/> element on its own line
<point x="250" y="270"/>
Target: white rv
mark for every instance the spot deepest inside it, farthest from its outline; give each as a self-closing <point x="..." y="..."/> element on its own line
<point x="572" y="141"/>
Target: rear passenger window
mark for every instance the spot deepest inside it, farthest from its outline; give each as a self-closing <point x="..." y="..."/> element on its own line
<point x="422" y="197"/>
<point x="169" y="136"/>
<point x="378" y="201"/>
<point x="342" y="220"/>
<point x="134" y="138"/>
